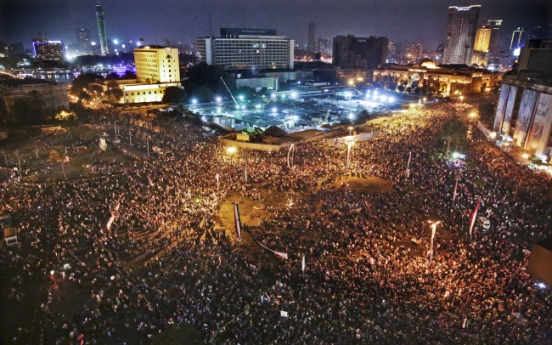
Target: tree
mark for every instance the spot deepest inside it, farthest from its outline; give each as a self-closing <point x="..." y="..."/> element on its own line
<point x="114" y="95"/>
<point x="81" y="82"/>
<point x="454" y="130"/>
<point x="174" y="94"/>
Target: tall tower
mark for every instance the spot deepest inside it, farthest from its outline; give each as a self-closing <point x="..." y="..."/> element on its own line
<point x="494" y="25"/>
<point x="84" y="41"/>
<point x="461" y="29"/>
<point x="311" y="46"/>
<point x="482" y="39"/>
<point x="101" y="28"/>
<point x="516" y="43"/>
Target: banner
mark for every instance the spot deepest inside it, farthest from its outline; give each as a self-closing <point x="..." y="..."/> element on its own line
<point x="280" y="254"/>
<point x="505" y="129"/>
<point x="455" y="189"/>
<point x="474" y="217"/>
<point x="537" y="139"/>
<point x="237" y="221"/>
<point x="525" y="116"/>
<point x="500" y="107"/>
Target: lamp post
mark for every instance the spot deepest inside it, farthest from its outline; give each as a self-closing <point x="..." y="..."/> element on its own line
<point x="350" y="128"/>
<point x="230" y="151"/>
<point x="245" y="311"/>
<point x="433" y="230"/>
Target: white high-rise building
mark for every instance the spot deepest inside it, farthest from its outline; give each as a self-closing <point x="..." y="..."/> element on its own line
<point x="156" y="64"/>
<point x="246" y="49"/>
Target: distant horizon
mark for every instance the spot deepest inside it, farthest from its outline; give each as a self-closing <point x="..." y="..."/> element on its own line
<point x="418" y="21"/>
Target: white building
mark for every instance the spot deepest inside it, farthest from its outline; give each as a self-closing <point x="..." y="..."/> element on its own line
<point x="157" y="68"/>
<point x="246" y="49"/>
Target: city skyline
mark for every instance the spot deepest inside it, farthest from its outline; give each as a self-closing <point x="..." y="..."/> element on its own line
<point x="422" y="21"/>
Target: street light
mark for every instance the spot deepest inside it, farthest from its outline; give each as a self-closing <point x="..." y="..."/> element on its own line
<point x="349" y="145"/>
<point x="461" y="99"/>
<point x="230" y="151"/>
<point x="433" y="229"/>
<point x="350" y="130"/>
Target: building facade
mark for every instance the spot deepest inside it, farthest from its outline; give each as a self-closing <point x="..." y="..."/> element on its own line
<point x="442" y="80"/>
<point x="237" y="48"/>
<point x="101" y="28"/>
<point x="156" y="64"/>
<point x="350" y="52"/>
<point x="84" y="41"/>
<point x="49" y="50"/>
<point x="524" y="109"/>
<point x="53" y="96"/>
<point x="494" y="24"/>
<point x="311" y="45"/>
<point x="461" y="30"/>
<point x="414" y="52"/>
<point x="482" y="39"/>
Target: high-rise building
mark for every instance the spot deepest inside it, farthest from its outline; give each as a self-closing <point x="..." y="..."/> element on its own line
<point x="49" y="50"/>
<point x="516" y="40"/>
<point x="324" y="45"/>
<point x="239" y="48"/>
<point x="311" y="46"/>
<point x="101" y="28"/>
<point x="414" y="52"/>
<point x="482" y="39"/>
<point x="494" y="25"/>
<point x="156" y="64"/>
<point x="461" y="29"/>
<point x="359" y="52"/>
<point x="84" y="41"/>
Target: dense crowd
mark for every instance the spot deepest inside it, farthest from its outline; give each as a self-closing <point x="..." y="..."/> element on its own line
<point x="124" y="256"/>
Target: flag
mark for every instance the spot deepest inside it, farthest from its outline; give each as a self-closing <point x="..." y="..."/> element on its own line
<point x="303" y="264"/>
<point x="455" y="189"/>
<point x="237" y="221"/>
<point x="465" y="323"/>
<point x="474" y="217"/>
<point x="109" y="222"/>
<point x="280" y="254"/>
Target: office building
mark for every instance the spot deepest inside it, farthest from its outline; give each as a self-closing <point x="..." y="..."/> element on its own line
<point x="482" y="39"/>
<point x="239" y="48"/>
<point x="101" y="28"/>
<point x="156" y="64"/>
<point x="49" y="50"/>
<point x="350" y="52"/>
<point x="494" y="24"/>
<point x="461" y="29"/>
<point x="84" y="41"/>
<point x="517" y="36"/>
<point x="523" y="112"/>
<point x="311" y="46"/>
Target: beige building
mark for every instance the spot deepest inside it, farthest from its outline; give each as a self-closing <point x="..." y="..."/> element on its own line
<point x="157" y="68"/>
<point x="445" y="80"/>
<point x="482" y="39"/>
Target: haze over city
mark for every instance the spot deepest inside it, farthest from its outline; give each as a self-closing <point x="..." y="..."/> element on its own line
<point x="421" y="21"/>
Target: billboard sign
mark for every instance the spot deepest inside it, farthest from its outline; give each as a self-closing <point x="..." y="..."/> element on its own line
<point x="525" y="116"/>
<point x="509" y="110"/>
<point x="537" y="139"/>
<point x="500" y="107"/>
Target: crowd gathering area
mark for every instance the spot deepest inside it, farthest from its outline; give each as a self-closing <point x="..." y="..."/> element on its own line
<point x="151" y="247"/>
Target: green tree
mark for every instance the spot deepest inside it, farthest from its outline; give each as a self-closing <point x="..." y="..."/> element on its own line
<point x="114" y="95"/>
<point x="174" y="94"/>
<point x="81" y="82"/>
<point x="454" y="130"/>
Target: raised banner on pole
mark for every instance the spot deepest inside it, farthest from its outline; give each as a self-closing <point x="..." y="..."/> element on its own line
<point x="237" y="221"/>
<point x="473" y="217"/>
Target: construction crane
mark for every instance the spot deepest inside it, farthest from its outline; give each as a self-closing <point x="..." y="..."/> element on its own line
<point x="230" y="92"/>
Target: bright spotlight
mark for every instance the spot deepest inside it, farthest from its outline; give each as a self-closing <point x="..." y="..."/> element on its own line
<point x="194" y="101"/>
<point x="294" y="94"/>
<point x="274" y="109"/>
<point x="391" y="99"/>
<point x="218" y="99"/>
<point x="273" y="95"/>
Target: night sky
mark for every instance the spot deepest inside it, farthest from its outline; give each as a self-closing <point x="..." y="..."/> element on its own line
<point x="406" y="21"/>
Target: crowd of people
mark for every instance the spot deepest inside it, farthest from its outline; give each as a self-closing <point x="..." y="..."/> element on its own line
<point x="123" y="257"/>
